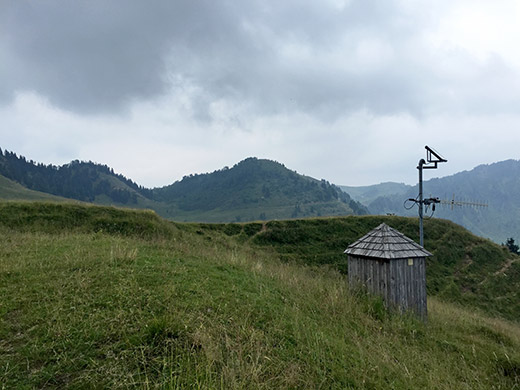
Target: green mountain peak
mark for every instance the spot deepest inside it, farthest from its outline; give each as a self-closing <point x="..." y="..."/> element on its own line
<point x="252" y="189"/>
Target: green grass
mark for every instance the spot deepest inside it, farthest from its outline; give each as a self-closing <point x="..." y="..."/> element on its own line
<point x="267" y="211"/>
<point x="465" y="268"/>
<point x="163" y="305"/>
<point x="81" y="218"/>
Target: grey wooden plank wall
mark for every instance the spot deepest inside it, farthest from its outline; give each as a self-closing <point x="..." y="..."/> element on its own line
<point x="401" y="285"/>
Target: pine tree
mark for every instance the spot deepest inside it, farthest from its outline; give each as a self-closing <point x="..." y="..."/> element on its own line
<point x="513" y="248"/>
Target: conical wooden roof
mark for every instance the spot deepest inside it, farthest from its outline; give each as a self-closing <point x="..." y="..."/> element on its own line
<point x="386" y="243"/>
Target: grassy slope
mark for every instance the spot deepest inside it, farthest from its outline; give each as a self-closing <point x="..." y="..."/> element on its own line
<point x="10" y="190"/>
<point x="465" y="268"/>
<point x="104" y="298"/>
<point x="255" y="212"/>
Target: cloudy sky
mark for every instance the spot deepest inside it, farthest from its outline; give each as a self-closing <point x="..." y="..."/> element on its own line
<point x="345" y="90"/>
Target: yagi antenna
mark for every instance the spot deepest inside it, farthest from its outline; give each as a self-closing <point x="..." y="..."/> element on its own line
<point x="444" y="202"/>
<point x="432" y="159"/>
<point x="452" y="203"/>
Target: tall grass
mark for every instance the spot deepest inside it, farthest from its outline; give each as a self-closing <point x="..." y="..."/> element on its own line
<point x="465" y="268"/>
<point x="195" y="308"/>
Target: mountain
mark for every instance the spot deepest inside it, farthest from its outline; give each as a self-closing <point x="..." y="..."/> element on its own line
<point x="497" y="185"/>
<point x="254" y="189"/>
<point x="251" y="190"/>
<point x="84" y="181"/>
<point x="367" y="194"/>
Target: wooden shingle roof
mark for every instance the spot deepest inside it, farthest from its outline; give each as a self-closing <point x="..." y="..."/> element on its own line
<point x="386" y="243"/>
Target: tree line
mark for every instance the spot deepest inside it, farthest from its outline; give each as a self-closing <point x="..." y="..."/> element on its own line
<point x="81" y="180"/>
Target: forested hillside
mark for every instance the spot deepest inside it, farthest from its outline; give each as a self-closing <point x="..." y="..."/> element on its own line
<point x="256" y="189"/>
<point x="251" y="190"/>
<point x="497" y="185"/>
<point x="85" y="181"/>
<point x="11" y="190"/>
<point x="367" y="194"/>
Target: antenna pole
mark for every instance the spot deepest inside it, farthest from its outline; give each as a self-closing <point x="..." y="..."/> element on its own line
<point x="421" y="231"/>
<point x="433" y="159"/>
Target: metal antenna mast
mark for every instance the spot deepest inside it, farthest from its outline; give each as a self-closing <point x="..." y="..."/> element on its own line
<point x="432" y="158"/>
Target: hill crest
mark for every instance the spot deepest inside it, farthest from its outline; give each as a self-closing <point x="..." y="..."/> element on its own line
<point x="253" y="189"/>
<point x="258" y="189"/>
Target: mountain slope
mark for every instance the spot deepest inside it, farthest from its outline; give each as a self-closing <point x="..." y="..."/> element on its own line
<point x="84" y="181"/>
<point x="253" y="189"/>
<point x="10" y="190"/>
<point x="497" y="185"/>
<point x="367" y="194"/>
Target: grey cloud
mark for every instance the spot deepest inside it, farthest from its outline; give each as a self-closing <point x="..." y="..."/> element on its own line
<point x="96" y="56"/>
<point x="245" y="64"/>
<point x="91" y="55"/>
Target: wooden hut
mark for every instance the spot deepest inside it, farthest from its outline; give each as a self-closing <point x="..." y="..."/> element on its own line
<point x="392" y="265"/>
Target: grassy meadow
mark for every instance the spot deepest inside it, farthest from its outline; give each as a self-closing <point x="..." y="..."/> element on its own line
<point x="464" y="268"/>
<point x="97" y="297"/>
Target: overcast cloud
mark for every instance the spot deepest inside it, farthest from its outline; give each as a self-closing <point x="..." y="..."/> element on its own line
<point x="345" y="90"/>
